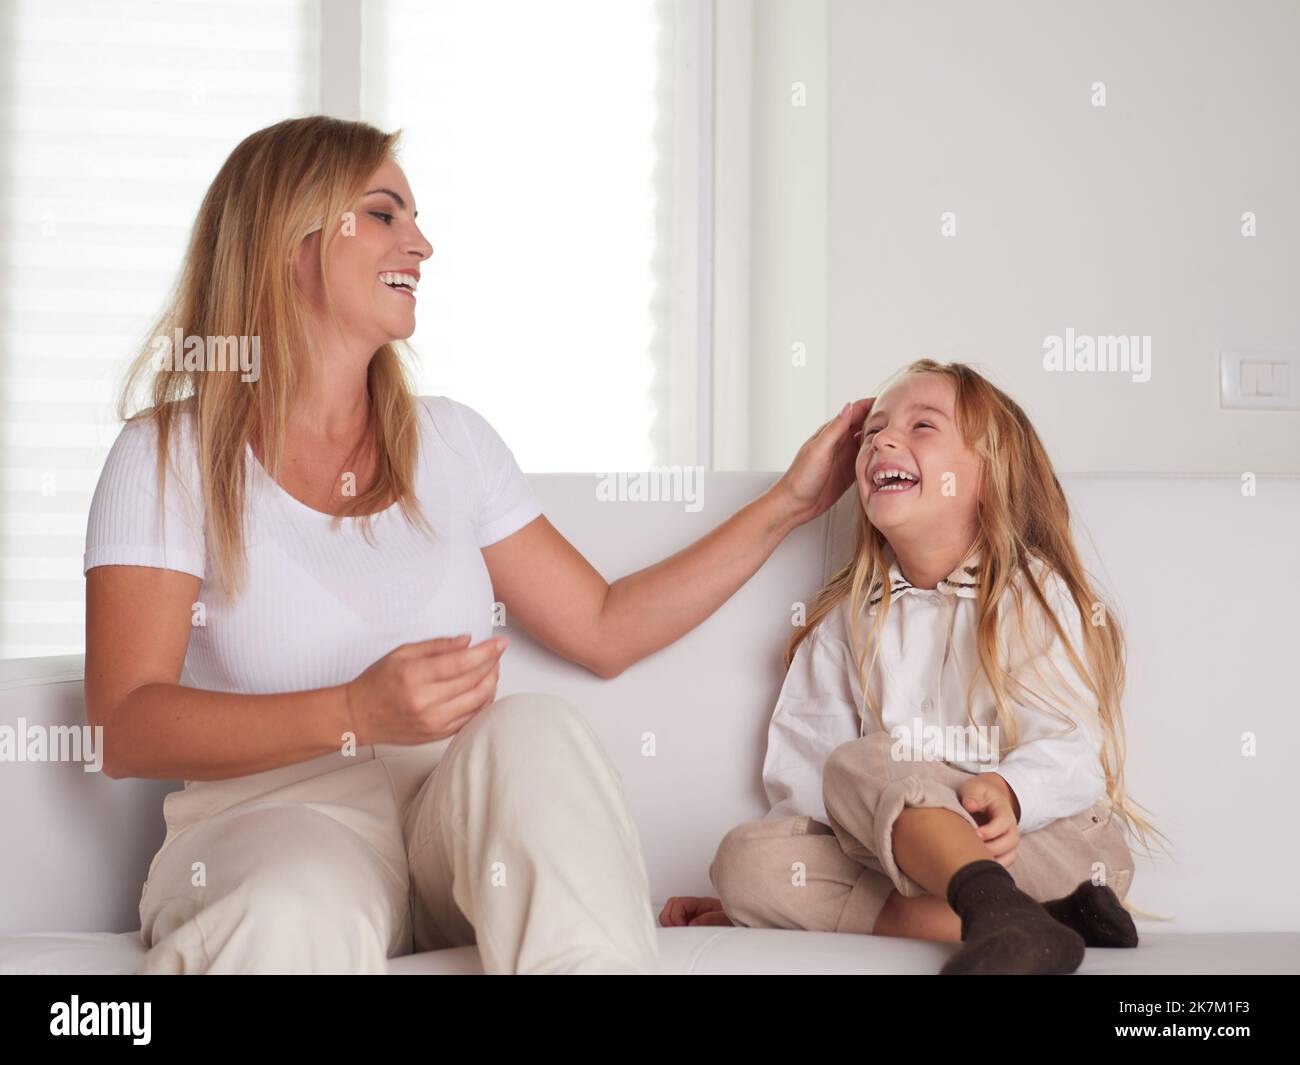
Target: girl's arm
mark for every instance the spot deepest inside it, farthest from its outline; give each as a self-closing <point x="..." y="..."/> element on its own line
<point x="817" y="711"/>
<point x="559" y="597"/>
<point x="1053" y="776"/>
<point x="1055" y="770"/>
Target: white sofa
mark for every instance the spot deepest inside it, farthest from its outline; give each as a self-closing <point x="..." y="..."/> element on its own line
<point x="1206" y="582"/>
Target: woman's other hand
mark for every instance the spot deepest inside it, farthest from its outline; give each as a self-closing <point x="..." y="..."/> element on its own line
<point x="426" y="691"/>
<point x="682" y="910"/>
<point x="824" y="466"/>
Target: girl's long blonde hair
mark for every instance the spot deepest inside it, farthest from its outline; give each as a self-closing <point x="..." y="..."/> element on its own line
<point x="237" y="280"/>
<point x="1022" y="516"/>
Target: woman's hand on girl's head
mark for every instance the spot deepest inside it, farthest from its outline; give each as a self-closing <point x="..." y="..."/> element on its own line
<point x="988" y="799"/>
<point x="682" y="910"/>
<point x="425" y="691"/>
<point x="824" y="466"/>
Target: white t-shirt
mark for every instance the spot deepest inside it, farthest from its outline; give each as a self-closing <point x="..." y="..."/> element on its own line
<point x="319" y="605"/>
<point x="928" y="654"/>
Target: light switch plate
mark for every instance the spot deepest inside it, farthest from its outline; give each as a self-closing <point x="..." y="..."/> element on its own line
<point x="1259" y="380"/>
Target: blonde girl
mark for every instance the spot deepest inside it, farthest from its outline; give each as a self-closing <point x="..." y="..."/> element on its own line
<point x="945" y="760"/>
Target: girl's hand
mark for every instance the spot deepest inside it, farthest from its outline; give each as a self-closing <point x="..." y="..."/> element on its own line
<point x="824" y="466"/>
<point x="421" y="692"/>
<point x="989" y="799"/>
<point x="682" y="910"/>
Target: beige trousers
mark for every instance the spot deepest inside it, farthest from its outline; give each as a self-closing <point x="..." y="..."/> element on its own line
<point x="796" y="872"/>
<point x="514" y="834"/>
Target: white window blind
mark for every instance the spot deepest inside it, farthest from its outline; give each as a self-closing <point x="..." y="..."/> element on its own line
<point x="116" y="118"/>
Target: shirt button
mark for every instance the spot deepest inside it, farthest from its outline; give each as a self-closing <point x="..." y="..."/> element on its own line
<point x="927" y="706"/>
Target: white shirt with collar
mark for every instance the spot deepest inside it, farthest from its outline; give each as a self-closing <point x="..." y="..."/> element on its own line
<point x="928" y="655"/>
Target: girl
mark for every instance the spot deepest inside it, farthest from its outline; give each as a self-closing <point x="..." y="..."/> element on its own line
<point x="984" y="801"/>
<point x="284" y="570"/>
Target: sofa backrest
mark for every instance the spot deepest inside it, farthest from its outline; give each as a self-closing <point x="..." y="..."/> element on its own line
<point x="74" y="845"/>
<point x="1201" y="576"/>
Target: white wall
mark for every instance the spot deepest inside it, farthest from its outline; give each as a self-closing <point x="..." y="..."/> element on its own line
<point x="1116" y="220"/>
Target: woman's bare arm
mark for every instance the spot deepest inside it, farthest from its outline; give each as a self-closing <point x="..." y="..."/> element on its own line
<point x="559" y="597"/>
<point x="556" y="594"/>
<point x="137" y="630"/>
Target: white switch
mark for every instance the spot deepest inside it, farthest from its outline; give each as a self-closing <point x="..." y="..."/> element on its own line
<point x="1264" y="379"/>
<point x="1281" y="379"/>
<point x="1250" y="380"/>
<point x="1249" y="377"/>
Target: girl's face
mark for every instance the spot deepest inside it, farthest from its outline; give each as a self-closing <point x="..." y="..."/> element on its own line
<point x="386" y="247"/>
<point x="917" y="477"/>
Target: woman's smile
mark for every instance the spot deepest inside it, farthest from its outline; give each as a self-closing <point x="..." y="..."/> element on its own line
<point x="403" y="282"/>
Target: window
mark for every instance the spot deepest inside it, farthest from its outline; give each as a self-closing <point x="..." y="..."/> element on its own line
<point x="539" y="140"/>
<point x="559" y="156"/>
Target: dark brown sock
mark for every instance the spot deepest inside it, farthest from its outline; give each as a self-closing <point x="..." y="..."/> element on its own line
<point x="1005" y="931"/>
<point x="1095" y="912"/>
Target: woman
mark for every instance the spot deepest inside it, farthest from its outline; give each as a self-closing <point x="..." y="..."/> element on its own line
<point x="318" y="551"/>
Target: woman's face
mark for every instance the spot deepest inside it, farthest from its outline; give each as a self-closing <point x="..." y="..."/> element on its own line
<point x="375" y="249"/>
<point x="912" y="430"/>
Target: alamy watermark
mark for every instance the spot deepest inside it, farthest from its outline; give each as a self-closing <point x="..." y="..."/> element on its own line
<point x="210" y="354"/>
<point x="102" y="1018"/>
<point x="53" y="743"/>
<point x="922" y="742"/>
<point x="1079" y="353"/>
<point x="659" y="484"/>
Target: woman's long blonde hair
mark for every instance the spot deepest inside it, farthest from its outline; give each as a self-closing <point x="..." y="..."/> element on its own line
<point x="237" y="280"/>
<point x="1022" y="515"/>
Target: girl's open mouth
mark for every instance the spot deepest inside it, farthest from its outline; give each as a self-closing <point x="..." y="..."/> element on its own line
<point x="893" y="481"/>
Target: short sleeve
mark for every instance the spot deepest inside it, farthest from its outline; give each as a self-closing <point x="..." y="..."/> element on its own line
<point x="818" y="710"/>
<point x="127" y="526"/>
<point x="1055" y="769"/>
<point x="506" y="501"/>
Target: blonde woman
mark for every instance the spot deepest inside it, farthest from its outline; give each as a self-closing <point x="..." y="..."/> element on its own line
<point x="290" y="580"/>
<point x="955" y="771"/>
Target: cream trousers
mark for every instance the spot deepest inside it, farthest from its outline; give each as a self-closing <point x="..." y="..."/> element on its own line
<point x="515" y="834"/>
<point x="796" y="872"/>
